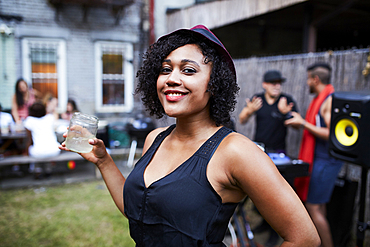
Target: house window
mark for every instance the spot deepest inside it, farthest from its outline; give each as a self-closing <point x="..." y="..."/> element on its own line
<point x="44" y="67"/>
<point x="114" y="77"/>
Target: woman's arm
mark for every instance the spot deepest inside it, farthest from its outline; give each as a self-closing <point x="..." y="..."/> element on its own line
<point x="112" y="176"/>
<point x="15" y="110"/>
<point x="253" y="172"/>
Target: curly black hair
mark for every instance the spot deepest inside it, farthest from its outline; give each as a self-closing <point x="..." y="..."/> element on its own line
<point x="222" y="84"/>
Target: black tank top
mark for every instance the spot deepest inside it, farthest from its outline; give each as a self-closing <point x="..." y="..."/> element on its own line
<point x="180" y="209"/>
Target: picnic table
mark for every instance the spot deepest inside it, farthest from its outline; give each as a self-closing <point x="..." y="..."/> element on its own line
<point x="118" y="154"/>
<point x="8" y="138"/>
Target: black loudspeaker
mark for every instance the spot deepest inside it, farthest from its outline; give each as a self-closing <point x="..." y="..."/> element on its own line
<point x="342" y="203"/>
<point x="349" y="138"/>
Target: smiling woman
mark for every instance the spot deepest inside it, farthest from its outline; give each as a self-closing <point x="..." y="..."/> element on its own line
<point x="183" y="83"/>
<point x="221" y="84"/>
<point x="193" y="174"/>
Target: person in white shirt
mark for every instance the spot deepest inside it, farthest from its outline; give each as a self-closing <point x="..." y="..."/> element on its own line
<point x="40" y="127"/>
<point x="6" y="121"/>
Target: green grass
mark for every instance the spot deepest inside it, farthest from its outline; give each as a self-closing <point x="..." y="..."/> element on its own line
<point x="68" y="215"/>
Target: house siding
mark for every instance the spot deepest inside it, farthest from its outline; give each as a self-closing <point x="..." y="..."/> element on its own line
<point x="40" y="20"/>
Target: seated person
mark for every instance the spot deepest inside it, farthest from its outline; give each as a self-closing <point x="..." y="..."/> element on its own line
<point x="51" y="104"/>
<point x="39" y="126"/>
<point x="6" y="121"/>
<point x="71" y="108"/>
<point x="6" y="124"/>
<point x="23" y="98"/>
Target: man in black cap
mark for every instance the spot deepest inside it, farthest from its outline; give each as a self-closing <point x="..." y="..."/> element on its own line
<point x="272" y="108"/>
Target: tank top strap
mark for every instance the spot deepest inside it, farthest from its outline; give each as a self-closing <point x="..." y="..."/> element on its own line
<point x="209" y="147"/>
<point x="160" y="137"/>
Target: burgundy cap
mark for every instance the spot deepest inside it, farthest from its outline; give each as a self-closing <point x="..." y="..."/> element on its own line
<point x="205" y="32"/>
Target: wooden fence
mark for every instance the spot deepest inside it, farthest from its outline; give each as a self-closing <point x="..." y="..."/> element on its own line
<point x="347" y="67"/>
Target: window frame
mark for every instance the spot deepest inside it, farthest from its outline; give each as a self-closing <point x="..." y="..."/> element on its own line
<point x="128" y="69"/>
<point x="61" y="64"/>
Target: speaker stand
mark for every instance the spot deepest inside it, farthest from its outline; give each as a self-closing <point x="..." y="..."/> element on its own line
<point x="361" y="225"/>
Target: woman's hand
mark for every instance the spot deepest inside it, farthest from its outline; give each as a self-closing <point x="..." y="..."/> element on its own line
<point x="97" y="155"/>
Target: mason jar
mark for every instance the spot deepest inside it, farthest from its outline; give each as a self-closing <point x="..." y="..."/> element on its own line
<point x="82" y="127"/>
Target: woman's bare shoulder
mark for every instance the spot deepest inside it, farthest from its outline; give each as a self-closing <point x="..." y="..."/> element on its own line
<point x="239" y="150"/>
<point x="236" y="142"/>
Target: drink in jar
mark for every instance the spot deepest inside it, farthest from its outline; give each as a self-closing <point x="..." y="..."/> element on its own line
<point x="82" y="127"/>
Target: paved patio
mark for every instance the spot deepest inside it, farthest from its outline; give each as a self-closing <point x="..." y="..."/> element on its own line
<point x="61" y="174"/>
